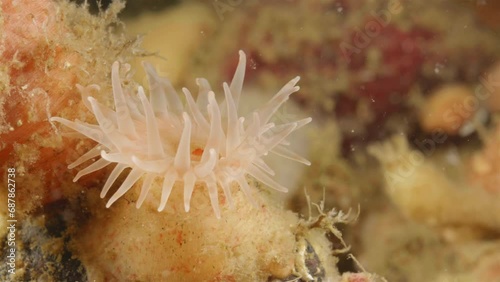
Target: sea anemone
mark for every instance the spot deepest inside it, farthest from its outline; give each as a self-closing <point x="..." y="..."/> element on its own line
<point x="201" y="144"/>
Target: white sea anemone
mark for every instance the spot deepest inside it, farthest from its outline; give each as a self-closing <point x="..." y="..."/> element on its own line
<point x="202" y="144"/>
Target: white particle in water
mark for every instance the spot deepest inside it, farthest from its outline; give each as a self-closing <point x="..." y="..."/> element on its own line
<point x="438" y="67"/>
<point x="253" y="64"/>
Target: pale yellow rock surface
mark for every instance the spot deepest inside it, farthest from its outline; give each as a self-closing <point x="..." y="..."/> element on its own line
<point x="425" y="194"/>
<point x="175" y="35"/>
<point x="247" y="244"/>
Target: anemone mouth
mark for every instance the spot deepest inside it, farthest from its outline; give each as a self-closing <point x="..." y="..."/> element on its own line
<point x="215" y="146"/>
